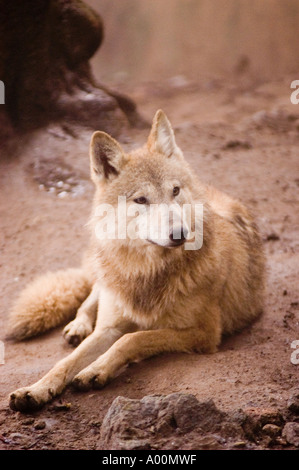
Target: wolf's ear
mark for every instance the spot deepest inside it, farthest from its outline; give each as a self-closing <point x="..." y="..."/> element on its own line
<point x="161" y="138"/>
<point x="106" y="156"/>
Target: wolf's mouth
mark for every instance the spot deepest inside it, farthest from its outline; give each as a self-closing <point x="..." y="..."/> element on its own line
<point x="175" y="244"/>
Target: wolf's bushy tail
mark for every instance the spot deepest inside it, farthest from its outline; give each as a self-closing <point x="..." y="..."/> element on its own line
<point x="48" y="301"/>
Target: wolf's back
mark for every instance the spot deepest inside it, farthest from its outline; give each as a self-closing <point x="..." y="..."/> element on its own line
<point x="47" y="302"/>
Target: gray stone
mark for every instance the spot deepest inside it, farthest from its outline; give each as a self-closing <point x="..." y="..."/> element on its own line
<point x="142" y="424"/>
<point x="291" y="433"/>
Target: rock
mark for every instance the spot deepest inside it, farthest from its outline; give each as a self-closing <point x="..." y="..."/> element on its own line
<point x="271" y="430"/>
<point x="266" y="415"/>
<point x="180" y="421"/>
<point x="254" y="419"/>
<point x="132" y="424"/>
<point x="188" y="413"/>
<point x="291" y="433"/>
<point x="232" y="427"/>
<point x="293" y="404"/>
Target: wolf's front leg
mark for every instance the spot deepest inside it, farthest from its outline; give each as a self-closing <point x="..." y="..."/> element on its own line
<point x="83" y="324"/>
<point x="110" y="327"/>
<point x="134" y="347"/>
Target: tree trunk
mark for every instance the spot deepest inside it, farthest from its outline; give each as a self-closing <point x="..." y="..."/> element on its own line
<point x="45" y="47"/>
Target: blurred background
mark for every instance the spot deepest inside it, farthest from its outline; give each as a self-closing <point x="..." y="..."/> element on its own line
<point x="149" y="40"/>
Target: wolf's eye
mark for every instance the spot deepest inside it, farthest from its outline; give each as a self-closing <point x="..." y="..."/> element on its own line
<point x="176" y="191"/>
<point x="140" y="200"/>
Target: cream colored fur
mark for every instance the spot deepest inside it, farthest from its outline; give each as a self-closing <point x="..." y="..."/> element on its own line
<point x="147" y="297"/>
<point x="47" y="302"/>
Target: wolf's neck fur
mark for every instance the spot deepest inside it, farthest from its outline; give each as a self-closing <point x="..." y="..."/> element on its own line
<point x="143" y="285"/>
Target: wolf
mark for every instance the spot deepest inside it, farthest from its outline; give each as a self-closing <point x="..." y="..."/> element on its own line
<point x="140" y="296"/>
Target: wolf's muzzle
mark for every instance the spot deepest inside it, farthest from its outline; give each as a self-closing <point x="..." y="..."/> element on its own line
<point x="177" y="236"/>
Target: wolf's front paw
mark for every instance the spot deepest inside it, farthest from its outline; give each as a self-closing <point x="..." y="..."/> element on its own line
<point x="76" y="331"/>
<point x="25" y="399"/>
<point x="88" y="379"/>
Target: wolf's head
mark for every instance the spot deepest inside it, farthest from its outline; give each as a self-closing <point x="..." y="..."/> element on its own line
<point x="152" y="185"/>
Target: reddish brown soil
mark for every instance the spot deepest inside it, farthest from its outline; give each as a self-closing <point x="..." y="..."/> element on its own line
<point x="251" y="156"/>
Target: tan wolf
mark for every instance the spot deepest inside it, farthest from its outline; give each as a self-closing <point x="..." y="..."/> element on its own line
<point x="140" y="296"/>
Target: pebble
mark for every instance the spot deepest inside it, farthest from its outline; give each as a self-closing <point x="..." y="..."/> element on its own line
<point x="281" y="441"/>
<point x="40" y="424"/>
<point x="62" y="407"/>
<point x="239" y="444"/>
<point x="17" y="435"/>
<point x="28" y="421"/>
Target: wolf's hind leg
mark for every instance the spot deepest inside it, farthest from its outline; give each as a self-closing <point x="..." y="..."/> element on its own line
<point x="83" y="324"/>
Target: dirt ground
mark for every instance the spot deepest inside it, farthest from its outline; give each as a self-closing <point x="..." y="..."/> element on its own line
<point x="242" y="138"/>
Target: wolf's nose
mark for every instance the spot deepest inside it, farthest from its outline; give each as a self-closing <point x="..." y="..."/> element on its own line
<point x="177" y="236"/>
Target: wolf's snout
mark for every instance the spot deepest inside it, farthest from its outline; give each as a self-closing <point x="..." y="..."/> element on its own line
<point x="177" y="236"/>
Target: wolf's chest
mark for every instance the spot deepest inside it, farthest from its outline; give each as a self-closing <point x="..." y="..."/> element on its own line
<point x="143" y="293"/>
